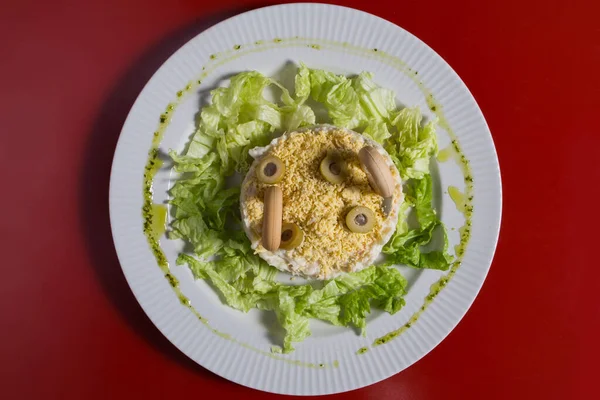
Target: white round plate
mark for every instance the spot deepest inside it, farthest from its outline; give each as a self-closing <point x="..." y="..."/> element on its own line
<point x="272" y="40"/>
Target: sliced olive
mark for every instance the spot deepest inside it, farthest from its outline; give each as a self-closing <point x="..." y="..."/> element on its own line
<point x="291" y="236"/>
<point x="360" y="220"/>
<point x="270" y="170"/>
<point x="333" y="168"/>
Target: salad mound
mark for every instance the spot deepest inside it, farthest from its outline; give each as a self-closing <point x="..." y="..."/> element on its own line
<point x="207" y="208"/>
<point x="317" y="206"/>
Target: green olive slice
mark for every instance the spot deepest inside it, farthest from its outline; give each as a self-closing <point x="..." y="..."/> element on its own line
<point x="291" y="236"/>
<point x="270" y="170"/>
<point x="333" y="169"/>
<point x="360" y="220"/>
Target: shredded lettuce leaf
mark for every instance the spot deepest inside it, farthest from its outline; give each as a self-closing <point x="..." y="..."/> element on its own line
<point x="207" y="207"/>
<point x="404" y="247"/>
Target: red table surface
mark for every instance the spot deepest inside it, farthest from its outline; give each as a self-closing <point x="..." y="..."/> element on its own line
<point x="70" y="327"/>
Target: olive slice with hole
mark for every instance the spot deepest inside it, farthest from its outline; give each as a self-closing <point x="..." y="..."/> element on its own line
<point x="291" y="236"/>
<point x="270" y="170"/>
<point x="333" y="169"/>
<point x="360" y="220"/>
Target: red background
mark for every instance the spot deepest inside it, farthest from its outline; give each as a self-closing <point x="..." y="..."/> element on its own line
<point x="70" y="327"/>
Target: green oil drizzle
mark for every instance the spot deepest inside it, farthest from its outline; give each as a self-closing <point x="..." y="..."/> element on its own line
<point x="445" y="154"/>
<point x="458" y="198"/>
<point x="159" y="219"/>
<point x="259" y="46"/>
<point x="152" y="166"/>
<point x="465" y="234"/>
<point x="155" y="215"/>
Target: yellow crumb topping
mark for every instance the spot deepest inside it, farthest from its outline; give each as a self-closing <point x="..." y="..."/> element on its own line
<point x="317" y="206"/>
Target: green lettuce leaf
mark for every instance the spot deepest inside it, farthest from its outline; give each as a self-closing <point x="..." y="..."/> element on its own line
<point x="414" y="145"/>
<point x="405" y="245"/>
<point x="355" y="103"/>
<point x="323" y="304"/>
<point x="381" y="286"/>
<point x="231" y="296"/>
<point x="290" y="316"/>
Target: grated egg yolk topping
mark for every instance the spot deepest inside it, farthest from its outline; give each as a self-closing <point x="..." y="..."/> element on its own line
<point x="317" y="206"/>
